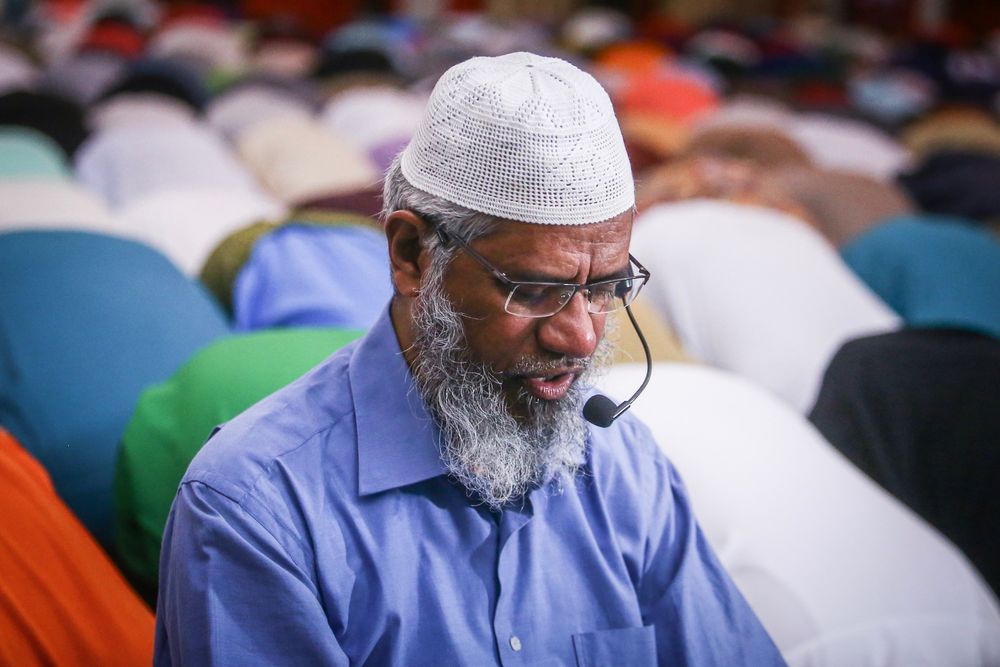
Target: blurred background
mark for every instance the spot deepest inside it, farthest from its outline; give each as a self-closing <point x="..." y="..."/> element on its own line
<point x="189" y="200"/>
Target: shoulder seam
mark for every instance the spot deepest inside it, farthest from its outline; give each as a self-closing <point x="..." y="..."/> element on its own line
<point x="250" y="513"/>
<point x="250" y="492"/>
<point x="266" y="470"/>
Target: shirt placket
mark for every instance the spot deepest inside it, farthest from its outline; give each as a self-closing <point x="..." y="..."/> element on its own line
<point x="509" y="637"/>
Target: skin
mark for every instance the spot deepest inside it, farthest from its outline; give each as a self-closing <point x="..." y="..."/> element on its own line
<point x="577" y="254"/>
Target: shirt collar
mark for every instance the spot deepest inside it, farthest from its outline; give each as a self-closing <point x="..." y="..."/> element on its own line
<point x="397" y="438"/>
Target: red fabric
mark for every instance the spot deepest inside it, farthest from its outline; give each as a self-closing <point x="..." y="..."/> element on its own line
<point x="62" y="602"/>
<point x="116" y="38"/>
<point x="316" y="17"/>
<point x="664" y="28"/>
<point x="818" y="94"/>
<point x="193" y="12"/>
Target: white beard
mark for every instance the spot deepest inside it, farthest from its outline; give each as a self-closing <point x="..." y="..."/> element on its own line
<point x="496" y="456"/>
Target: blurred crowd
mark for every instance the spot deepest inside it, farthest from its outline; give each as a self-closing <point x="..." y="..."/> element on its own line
<point x="189" y="200"/>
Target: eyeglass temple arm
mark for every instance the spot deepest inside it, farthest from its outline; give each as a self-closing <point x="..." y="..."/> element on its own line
<point x="643" y="271"/>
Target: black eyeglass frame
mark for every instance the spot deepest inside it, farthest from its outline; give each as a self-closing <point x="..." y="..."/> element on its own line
<point x="447" y="239"/>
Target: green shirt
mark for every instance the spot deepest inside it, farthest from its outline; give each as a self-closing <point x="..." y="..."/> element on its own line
<point x="173" y="419"/>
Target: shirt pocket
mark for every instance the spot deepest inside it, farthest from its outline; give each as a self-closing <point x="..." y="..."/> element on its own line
<point x="625" y="647"/>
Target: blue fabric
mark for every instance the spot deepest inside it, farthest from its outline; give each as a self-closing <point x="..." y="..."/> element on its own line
<point x="86" y="323"/>
<point x="318" y="528"/>
<point x="312" y="275"/>
<point x="934" y="272"/>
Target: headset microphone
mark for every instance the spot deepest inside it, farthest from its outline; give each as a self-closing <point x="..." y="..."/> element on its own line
<point x="601" y="410"/>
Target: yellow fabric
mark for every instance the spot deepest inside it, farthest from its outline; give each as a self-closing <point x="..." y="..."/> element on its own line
<point x="953" y="129"/>
<point x="663" y="344"/>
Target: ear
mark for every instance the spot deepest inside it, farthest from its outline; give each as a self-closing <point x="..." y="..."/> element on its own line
<point x="407" y="258"/>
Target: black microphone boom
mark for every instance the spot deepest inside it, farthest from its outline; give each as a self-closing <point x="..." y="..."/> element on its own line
<point x="601" y="410"/>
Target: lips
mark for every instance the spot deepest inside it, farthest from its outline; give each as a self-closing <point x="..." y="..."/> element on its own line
<point x="550" y="388"/>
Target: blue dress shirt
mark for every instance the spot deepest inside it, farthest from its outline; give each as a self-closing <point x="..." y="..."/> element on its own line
<point x="313" y="275"/>
<point x="319" y="528"/>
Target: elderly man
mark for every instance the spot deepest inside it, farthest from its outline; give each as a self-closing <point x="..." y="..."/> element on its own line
<point x="433" y="494"/>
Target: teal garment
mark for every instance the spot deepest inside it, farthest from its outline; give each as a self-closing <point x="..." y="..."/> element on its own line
<point x="26" y="153"/>
<point x="86" y="323"/>
<point x="173" y="419"/>
<point x="934" y="272"/>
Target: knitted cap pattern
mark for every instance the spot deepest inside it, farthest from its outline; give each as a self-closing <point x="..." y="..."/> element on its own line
<point x="525" y="138"/>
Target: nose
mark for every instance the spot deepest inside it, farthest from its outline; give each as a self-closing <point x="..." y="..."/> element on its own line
<point x="573" y="331"/>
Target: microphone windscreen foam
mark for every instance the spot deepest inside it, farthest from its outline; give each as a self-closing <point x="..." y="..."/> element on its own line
<point x="600" y="410"/>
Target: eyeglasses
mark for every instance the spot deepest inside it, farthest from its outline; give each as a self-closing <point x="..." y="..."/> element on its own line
<point x="543" y="299"/>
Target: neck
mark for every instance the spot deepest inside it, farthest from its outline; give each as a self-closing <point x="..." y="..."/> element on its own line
<point x="401" y="314"/>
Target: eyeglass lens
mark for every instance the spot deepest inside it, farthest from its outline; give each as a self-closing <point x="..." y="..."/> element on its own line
<point x="544" y="300"/>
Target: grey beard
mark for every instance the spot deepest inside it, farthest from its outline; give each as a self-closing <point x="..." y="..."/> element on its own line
<point x="496" y="456"/>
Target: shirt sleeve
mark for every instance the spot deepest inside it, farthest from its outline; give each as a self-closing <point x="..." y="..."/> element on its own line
<point x="230" y="594"/>
<point x="700" y="617"/>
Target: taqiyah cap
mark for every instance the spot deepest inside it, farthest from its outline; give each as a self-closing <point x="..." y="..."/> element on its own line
<point x="522" y="137"/>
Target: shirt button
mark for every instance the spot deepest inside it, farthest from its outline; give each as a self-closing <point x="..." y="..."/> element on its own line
<point x="515" y="643"/>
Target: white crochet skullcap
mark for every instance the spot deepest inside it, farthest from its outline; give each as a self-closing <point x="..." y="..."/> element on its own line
<point x="522" y="137"/>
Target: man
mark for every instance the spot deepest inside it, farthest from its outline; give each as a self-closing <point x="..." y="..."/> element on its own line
<point x="432" y="495"/>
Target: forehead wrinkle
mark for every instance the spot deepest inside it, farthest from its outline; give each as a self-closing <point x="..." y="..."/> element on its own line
<point x="563" y="254"/>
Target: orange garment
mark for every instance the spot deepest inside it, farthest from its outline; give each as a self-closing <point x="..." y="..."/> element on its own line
<point x="669" y="92"/>
<point x="62" y="602"/>
<point x="634" y="58"/>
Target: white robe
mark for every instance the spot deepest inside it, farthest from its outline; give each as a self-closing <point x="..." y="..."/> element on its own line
<point x="754" y="291"/>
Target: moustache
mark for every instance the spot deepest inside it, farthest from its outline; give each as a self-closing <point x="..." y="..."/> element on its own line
<point x="528" y="367"/>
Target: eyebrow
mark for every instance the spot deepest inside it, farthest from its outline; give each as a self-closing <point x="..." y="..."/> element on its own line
<point x="536" y="277"/>
<point x="521" y="276"/>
